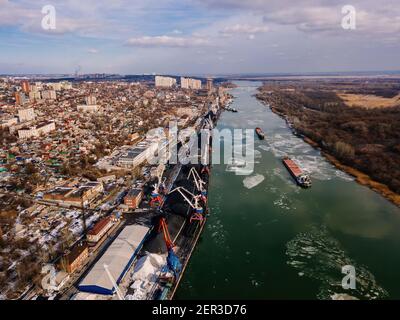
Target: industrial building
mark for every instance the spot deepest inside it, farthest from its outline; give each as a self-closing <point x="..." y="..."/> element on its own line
<point x="133" y="198"/>
<point x="110" y="269"/>
<point x="75" y="258"/>
<point x="76" y="196"/>
<point x="136" y="155"/>
<point x="99" y="230"/>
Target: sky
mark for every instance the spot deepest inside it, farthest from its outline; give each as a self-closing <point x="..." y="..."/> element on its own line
<point x="198" y="37"/>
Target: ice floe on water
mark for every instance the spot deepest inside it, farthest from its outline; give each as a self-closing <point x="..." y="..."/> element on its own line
<point x="240" y="167"/>
<point x="309" y="159"/>
<point x="344" y="175"/>
<point x="317" y="255"/>
<point x="284" y="202"/>
<point x="253" y="181"/>
<point x="257" y="154"/>
<point x="218" y="234"/>
<point x="254" y="123"/>
<point x="265" y="148"/>
<point x="317" y="167"/>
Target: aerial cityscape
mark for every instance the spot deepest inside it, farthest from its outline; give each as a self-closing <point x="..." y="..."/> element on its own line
<point x="219" y="150"/>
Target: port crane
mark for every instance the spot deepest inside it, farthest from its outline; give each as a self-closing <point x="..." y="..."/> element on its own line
<point x="172" y="260"/>
<point x="200" y="184"/>
<point x="194" y="203"/>
<point x="159" y="188"/>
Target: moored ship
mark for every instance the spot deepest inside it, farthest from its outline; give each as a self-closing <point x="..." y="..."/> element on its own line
<point x="260" y="133"/>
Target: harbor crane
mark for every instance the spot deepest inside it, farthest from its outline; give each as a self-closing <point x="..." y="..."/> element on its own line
<point x="159" y="188"/>
<point x="200" y="184"/>
<point x="172" y="260"/>
<point x="194" y="203"/>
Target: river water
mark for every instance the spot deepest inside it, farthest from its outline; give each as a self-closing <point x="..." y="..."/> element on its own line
<point x="277" y="241"/>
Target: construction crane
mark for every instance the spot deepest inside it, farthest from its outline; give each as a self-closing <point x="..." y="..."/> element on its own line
<point x="194" y="203"/>
<point x="172" y="260"/>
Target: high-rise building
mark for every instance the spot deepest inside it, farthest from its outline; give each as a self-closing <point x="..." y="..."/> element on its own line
<point x="165" y="81"/>
<point x="90" y="100"/>
<point x="55" y="86"/>
<point x="90" y="106"/>
<point x="25" y="86"/>
<point x="184" y="83"/>
<point x="66" y="85"/>
<point x="209" y="86"/>
<point x="20" y="98"/>
<point x="189" y="83"/>
<point x="49" y="94"/>
<point x="34" y="95"/>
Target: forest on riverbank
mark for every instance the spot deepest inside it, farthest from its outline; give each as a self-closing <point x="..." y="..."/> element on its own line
<point x="365" y="139"/>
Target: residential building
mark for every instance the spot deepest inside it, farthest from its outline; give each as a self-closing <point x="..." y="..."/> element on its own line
<point x="88" y="108"/>
<point x="7" y="123"/>
<point x="165" y="81"/>
<point x="36" y="131"/>
<point x="189" y="83"/>
<point x="49" y="94"/>
<point x="26" y="114"/>
<point x="90" y="100"/>
<point x="25" y="86"/>
<point x="55" y="86"/>
<point x="209" y="85"/>
<point x="34" y="95"/>
<point x="20" y="98"/>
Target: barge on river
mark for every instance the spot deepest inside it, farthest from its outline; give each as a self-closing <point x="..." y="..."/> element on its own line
<point x="301" y="178"/>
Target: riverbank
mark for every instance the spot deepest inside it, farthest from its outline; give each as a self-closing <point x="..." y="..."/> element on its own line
<point x="365" y="179"/>
<point x="362" y="178"/>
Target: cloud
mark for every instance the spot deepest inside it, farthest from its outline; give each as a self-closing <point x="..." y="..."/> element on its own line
<point x="93" y="51"/>
<point x="167" y="41"/>
<point x="374" y="19"/>
<point x="244" y="29"/>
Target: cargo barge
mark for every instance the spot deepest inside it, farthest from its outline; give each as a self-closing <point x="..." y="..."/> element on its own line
<point x="301" y="178"/>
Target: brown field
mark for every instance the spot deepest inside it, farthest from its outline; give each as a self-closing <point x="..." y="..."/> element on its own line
<point x="369" y="101"/>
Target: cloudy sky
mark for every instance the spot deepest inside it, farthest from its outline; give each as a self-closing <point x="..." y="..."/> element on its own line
<point x="198" y="36"/>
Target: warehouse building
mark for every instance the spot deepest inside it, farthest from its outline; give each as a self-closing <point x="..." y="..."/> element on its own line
<point x="115" y="262"/>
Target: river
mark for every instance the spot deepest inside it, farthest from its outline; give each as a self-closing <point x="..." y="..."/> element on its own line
<point x="277" y="241"/>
